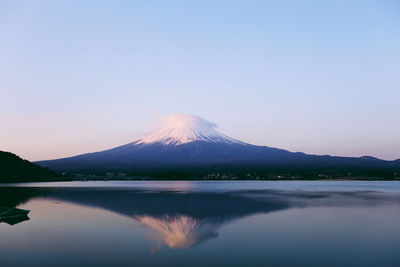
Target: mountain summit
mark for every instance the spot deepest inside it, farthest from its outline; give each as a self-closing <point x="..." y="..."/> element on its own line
<point x="191" y="145"/>
<point x="180" y="129"/>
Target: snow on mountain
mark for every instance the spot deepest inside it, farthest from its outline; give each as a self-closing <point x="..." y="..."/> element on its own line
<point x="180" y="129"/>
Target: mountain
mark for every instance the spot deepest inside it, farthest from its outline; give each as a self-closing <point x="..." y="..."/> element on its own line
<point x="190" y="144"/>
<point x="13" y="168"/>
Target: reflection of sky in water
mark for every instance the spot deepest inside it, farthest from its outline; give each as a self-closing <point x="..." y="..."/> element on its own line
<point x="112" y="226"/>
<point x="191" y="186"/>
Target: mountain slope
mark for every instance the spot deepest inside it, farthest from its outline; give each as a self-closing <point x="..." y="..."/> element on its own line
<point x="14" y="168"/>
<point x="189" y="142"/>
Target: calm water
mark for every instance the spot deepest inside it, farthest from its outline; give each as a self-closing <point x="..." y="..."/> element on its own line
<point x="202" y="224"/>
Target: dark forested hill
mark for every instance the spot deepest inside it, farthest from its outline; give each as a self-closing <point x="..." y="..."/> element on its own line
<point x="13" y="168"/>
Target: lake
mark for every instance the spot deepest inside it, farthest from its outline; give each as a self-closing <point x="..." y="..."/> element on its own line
<point x="275" y="223"/>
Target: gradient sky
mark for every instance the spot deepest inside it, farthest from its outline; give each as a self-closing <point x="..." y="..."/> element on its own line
<point x="320" y="77"/>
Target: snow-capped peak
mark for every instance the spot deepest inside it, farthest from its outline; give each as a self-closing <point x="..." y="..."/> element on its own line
<point x="180" y="129"/>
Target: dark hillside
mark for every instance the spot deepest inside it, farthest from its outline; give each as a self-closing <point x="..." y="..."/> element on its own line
<point x="13" y="168"/>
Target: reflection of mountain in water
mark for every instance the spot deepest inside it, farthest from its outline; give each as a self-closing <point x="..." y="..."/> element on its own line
<point x="180" y="231"/>
<point x="184" y="219"/>
<point x="180" y="219"/>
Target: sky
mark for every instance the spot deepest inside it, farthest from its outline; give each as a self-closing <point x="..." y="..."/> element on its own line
<point x="321" y="77"/>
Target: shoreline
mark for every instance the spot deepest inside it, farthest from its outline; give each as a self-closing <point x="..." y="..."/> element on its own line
<point x="21" y="181"/>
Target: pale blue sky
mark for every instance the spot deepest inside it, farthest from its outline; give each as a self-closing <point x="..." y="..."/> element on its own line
<point x="320" y="77"/>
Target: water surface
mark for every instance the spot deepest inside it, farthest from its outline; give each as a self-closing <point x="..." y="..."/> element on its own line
<point x="288" y="223"/>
